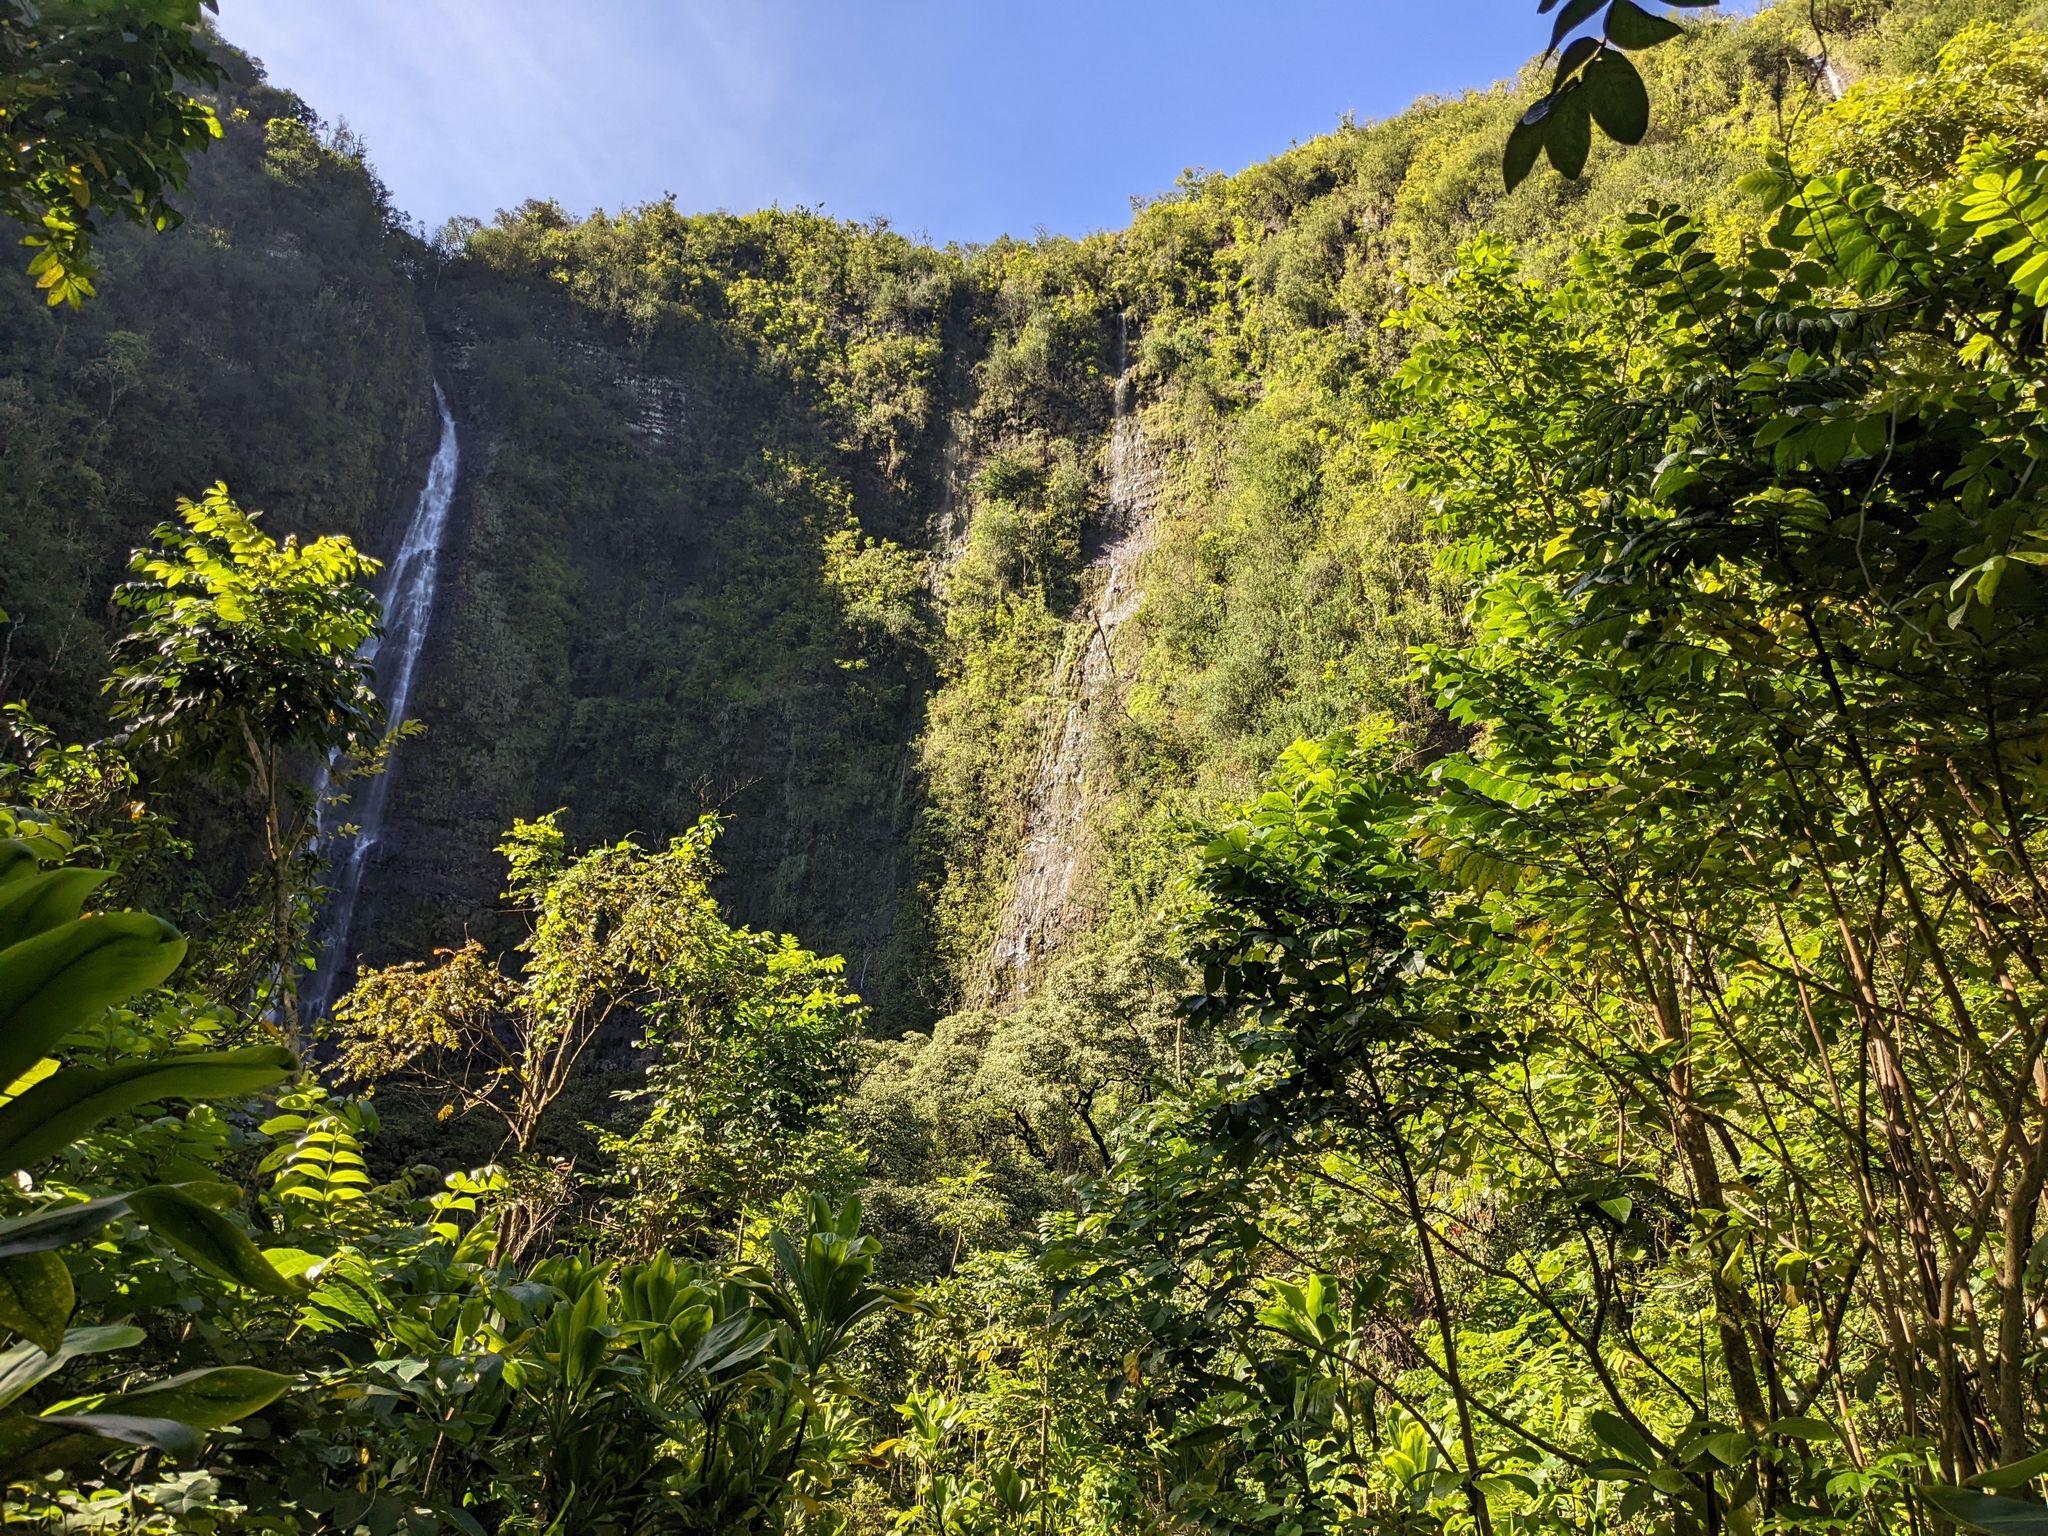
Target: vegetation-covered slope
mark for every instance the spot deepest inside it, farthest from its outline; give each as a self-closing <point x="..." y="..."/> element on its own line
<point x="669" y="421"/>
<point x="672" y="419"/>
<point x="1437" y="792"/>
<point x="273" y="341"/>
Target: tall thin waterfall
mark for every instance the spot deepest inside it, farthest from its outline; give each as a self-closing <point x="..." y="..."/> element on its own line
<point x="408" y="598"/>
<point x="1056" y="809"/>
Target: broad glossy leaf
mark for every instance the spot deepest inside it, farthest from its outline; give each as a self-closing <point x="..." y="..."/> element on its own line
<point x="206" y="1398"/>
<point x="61" y="1225"/>
<point x="23" y="1365"/>
<point x="36" y="1298"/>
<point x="292" y="1263"/>
<point x="208" y="1239"/>
<point x="42" y="901"/>
<point x="17" y="861"/>
<point x="1573" y="16"/>
<point x="60" y="1109"/>
<point x="1623" y="1438"/>
<point x="1575" y="57"/>
<point x="1989" y="1513"/>
<point x="2014" y="1474"/>
<point x="156" y="1434"/>
<point x="51" y="983"/>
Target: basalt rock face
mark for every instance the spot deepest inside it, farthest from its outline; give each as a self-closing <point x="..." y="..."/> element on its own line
<point x="1070" y="778"/>
<point x="634" y="624"/>
<point x="630" y="617"/>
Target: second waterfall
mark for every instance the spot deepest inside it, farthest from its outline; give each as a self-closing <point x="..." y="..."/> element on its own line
<point x="408" y="596"/>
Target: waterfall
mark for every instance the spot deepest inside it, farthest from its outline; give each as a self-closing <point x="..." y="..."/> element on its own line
<point x="1037" y="910"/>
<point x="408" y="599"/>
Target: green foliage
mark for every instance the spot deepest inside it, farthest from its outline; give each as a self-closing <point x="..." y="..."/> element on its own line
<point x="646" y="1397"/>
<point x="57" y="970"/>
<point x="93" y="793"/>
<point x="97" y="120"/>
<point x="274" y="341"/>
<point x="576" y="1389"/>
<point x="243" y="647"/>
<point x="881" y="585"/>
<point x="1594" y="1063"/>
<point x="718" y="495"/>
<point x="1596" y="84"/>
<point x="244" y="659"/>
<point x="1909" y="131"/>
<point x="1610" y="1095"/>
<point x="746" y="1058"/>
<point x="611" y="933"/>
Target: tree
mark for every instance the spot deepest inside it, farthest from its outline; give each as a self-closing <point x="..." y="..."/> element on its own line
<point x="95" y="120"/>
<point x="748" y="1056"/>
<point x="242" y="659"/>
<point x="612" y="934"/>
<point x="880" y="585"/>
<point x="1643" y="1107"/>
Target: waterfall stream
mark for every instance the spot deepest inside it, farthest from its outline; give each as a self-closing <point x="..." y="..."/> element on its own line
<point x="408" y="599"/>
<point x="1057" y="806"/>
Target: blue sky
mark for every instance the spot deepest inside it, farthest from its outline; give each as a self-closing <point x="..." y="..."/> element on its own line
<point x="959" y="119"/>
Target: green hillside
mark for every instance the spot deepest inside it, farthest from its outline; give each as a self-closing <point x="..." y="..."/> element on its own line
<point x="1363" y="858"/>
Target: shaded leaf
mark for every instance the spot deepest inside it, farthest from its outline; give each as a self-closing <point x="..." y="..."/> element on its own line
<point x="51" y="983"/>
<point x="207" y="1398"/>
<point x="1615" y="94"/>
<point x="1630" y="26"/>
<point x="208" y="1239"/>
<point x="60" y="1109"/>
<point x="36" y="1298"/>
<point x="23" y="1365"/>
<point x="1989" y="1513"/>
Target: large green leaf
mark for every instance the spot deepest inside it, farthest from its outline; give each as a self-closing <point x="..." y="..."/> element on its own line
<point x="36" y="1298"/>
<point x="1616" y="96"/>
<point x="17" y="861"/>
<point x="42" y="901"/>
<point x="207" y="1398"/>
<point x="1570" y="136"/>
<point x="60" y="1226"/>
<point x="1524" y="145"/>
<point x="2014" y="1474"/>
<point x="51" y="983"/>
<point x="1630" y="26"/>
<point x="154" y="1434"/>
<point x="1987" y="1512"/>
<point x="1623" y="1438"/>
<point x="62" y="1108"/>
<point x="208" y="1239"/>
<point x="23" y="1365"/>
<point x="1571" y="18"/>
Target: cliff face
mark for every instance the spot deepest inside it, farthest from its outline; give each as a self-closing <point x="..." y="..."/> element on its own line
<point x="954" y="580"/>
<point x="274" y="341"/>
<point x="639" y="626"/>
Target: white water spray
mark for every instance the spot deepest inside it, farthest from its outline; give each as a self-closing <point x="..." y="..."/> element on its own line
<point x="408" y="598"/>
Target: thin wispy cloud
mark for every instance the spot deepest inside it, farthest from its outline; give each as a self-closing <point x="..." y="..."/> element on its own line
<point x="966" y="121"/>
